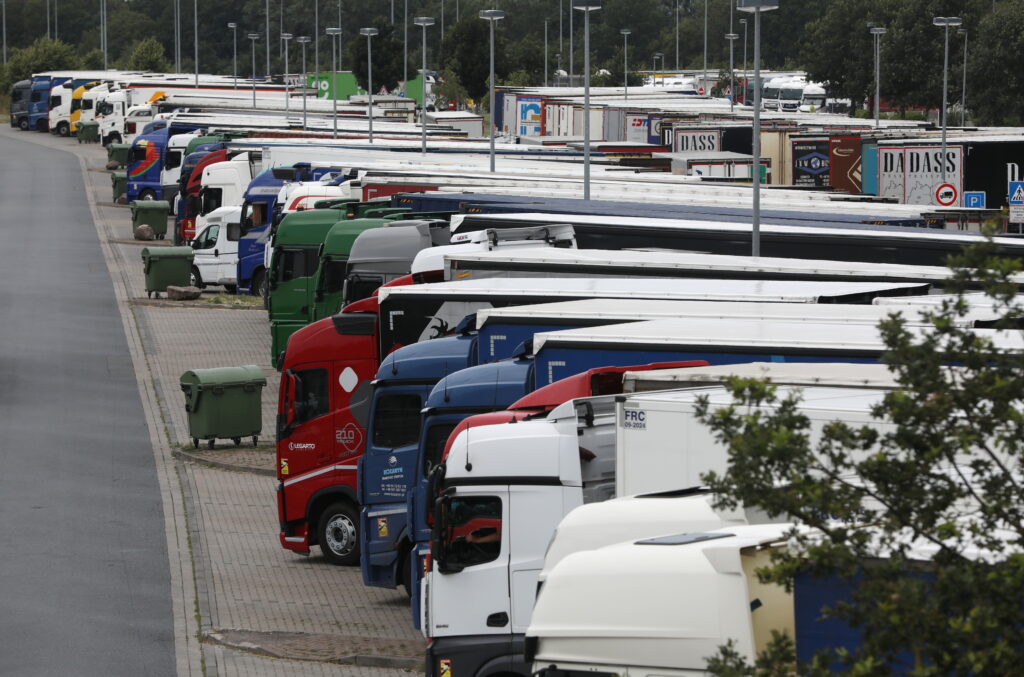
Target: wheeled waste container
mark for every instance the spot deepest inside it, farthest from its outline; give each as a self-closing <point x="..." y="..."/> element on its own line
<point x="224" y="403"/>
<point x="152" y="213"/>
<point x="167" y="266"/>
<point x="118" y="152"/>
<point x="88" y="132"/>
<point x="118" y="184"/>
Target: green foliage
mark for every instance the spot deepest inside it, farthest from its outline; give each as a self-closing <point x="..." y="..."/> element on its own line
<point x="450" y="89"/>
<point x="93" y="60"/>
<point x="387" y="57"/>
<point x="995" y="79"/>
<point x="943" y="471"/>
<point x="147" y="55"/>
<point x="41" y="55"/>
<point x="466" y="50"/>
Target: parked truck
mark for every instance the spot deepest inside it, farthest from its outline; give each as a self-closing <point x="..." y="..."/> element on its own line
<point x="21" y="92"/>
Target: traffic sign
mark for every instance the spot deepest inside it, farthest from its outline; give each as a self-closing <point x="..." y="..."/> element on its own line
<point x="700" y="91"/>
<point x="946" y="195"/>
<point x="1016" y="192"/>
<point x="974" y="199"/>
<point x="1016" y="213"/>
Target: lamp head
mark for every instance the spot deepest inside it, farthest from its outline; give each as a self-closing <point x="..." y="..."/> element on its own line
<point x="625" y="31"/>
<point x="424" y="21"/>
<point x="756" y="5"/>
<point x="368" y="32"/>
<point x="492" y="14"/>
<point x="286" y="36"/>
<point x="878" y="30"/>
<point x="253" y="36"/>
<point x="303" y="39"/>
<point x="333" y="31"/>
<point x="232" y="25"/>
<point x="586" y="5"/>
<point x="732" y="36"/>
<point x="947" y="21"/>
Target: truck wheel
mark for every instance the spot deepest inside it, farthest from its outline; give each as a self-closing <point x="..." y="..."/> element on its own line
<point x="63" y="129"/>
<point x="23" y="124"/>
<point x="259" y="284"/>
<point x="147" y="194"/>
<point x="195" y="279"/>
<point x="339" y="535"/>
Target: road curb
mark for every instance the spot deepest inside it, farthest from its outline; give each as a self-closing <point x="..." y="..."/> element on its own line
<point x="183" y="455"/>
<point x="361" y="660"/>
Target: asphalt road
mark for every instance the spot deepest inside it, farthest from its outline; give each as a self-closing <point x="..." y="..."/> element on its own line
<point x="84" y="580"/>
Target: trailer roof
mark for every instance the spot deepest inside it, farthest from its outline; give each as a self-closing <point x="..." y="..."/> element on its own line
<point x="608" y="310"/>
<point x="639" y="262"/>
<point x="663" y="288"/>
<point x="743" y="335"/>
<point x="844" y="374"/>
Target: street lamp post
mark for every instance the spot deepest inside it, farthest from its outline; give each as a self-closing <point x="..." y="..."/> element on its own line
<point x="195" y="37"/>
<point x="267" y="17"/>
<point x="625" y="62"/>
<point x="945" y="22"/>
<point x="558" y="68"/>
<point x="704" y="83"/>
<point x="103" y="34"/>
<point x="369" y="33"/>
<point x="756" y="7"/>
<point x="963" y="89"/>
<point x="545" y="52"/>
<point x="586" y="6"/>
<point x="234" y="50"/>
<point x="731" y="37"/>
<point x="745" y="76"/>
<point x="304" y="40"/>
<point x="677" y="36"/>
<point x="876" y="33"/>
<point x="657" y="56"/>
<point x="423" y="22"/>
<point x="405" y="45"/>
<point x="333" y="32"/>
<point x="492" y="16"/>
<point x="287" y="94"/>
<point x="253" y="37"/>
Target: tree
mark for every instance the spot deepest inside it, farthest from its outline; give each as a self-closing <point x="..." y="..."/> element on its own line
<point x="42" y="55"/>
<point x="995" y="81"/>
<point x="450" y="89"/>
<point x="147" y="55"/>
<point x="947" y="474"/>
<point x="466" y="48"/>
<point x="93" y="60"/>
<point x="387" y="57"/>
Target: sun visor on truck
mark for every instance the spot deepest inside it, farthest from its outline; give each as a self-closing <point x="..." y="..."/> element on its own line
<point x="354" y="324"/>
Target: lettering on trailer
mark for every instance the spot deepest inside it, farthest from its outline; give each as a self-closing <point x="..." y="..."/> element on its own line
<point x="528" y="116"/>
<point x="685" y="141"/>
<point x="495" y="339"/>
<point x="551" y="370"/>
<point x="845" y="164"/>
<point x="634" y="419"/>
<point x="637" y="127"/>
<point x="811" y="163"/>
<point x="911" y="175"/>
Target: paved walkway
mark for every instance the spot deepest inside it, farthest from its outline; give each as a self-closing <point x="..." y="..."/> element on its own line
<point x="263" y="610"/>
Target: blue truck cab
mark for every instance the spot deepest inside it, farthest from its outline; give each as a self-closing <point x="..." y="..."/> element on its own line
<point x="146" y="161"/>
<point x="260" y="216"/>
<point x="387" y="467"/>
<point x="39" y="101"/>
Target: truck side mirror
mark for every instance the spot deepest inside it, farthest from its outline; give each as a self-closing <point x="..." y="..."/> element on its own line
<point x="289" y="399"/>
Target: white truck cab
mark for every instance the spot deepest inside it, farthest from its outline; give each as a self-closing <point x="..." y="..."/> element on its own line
<point x="224" y="184"/>
<point x="60" y="109"/>
<point x="174" y="155"/>
<point x="215" y="249"/>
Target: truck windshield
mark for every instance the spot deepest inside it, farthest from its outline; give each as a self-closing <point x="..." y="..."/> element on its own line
<point x="332" y="274"/>
<point x="792" y="94"/>
<point x="396" y="421"/>
<point x="771" y="93"/>
<point x="816" y="101"/>
<point x="104" y="108"/>
<point x="359" y="287"/>
<point x="211" y="199"/>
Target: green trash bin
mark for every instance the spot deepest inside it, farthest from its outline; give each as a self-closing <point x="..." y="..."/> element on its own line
<point x="88" y="132"/>
<point x="152" y="213"/>
<point x="166" y="267"/>
<point x="224" y="403"/>
<point x="118" y="152"/>
<point x="118" y="184"/>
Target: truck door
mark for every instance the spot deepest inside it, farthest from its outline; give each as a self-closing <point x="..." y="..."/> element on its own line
<point x="467" y="589"/>
<point x="310" y="442"/>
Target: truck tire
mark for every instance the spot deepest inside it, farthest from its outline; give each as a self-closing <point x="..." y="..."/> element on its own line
<point x="63" y="129"/>
<point x="259" y="284"/>
<point x="23" y="124"/>
<point x="147" y="194"/>
<point x="339" y="534"/>
<point x="196" y="279"/>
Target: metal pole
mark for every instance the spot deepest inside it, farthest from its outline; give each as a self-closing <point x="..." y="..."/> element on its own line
<point x="56" y="33"/>
<point x="392" y="12"/>
<point x="677" y="35"/>
<point x="746" y="76"/>
<point x="333" y="32"/>
<point x="369" y="33"/>
<point x="177" y="34"/>
<point x="586" y="103"/>
<point x="756" y="167"/>
<point x="945" y="88"/>
<point x="492" y="16"/>
<point x="405" y="45"/>
<point x="625" y="63"/>
<point x="561" y="32"/>
<point x="963" y="88"/>
<point x="47" y="19"/>
<point x="267" y="31"/>
<point x="195" y="39"/>
<point x="704" y="83"/>
<point x="732" y="37"/>
<point x="5" y="31"/>
<point x="316" y="45"/>
<point x="304" y="40"/>
<point x="570" y="44"/>
<point x="253" y="37"/>
<point x="234" y="51"/>
<point x="545" y="52"/>
<point x="285" y="37"/>
<point x="423" y="83"/>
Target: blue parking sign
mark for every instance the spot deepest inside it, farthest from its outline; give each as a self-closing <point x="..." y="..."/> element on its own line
<point x="974" y="199"/>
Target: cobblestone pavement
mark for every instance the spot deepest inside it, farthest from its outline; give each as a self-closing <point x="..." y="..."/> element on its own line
<point x="262" y="610"/>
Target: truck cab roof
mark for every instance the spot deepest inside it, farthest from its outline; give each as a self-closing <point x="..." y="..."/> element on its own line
<point x="343" y="234"/>
<point x="482" y="388"/>
<point x="428" y="361"/>
<point x="306" y="227"/>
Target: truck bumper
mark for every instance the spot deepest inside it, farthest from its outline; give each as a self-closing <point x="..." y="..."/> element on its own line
<point x="476" y="656"/>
